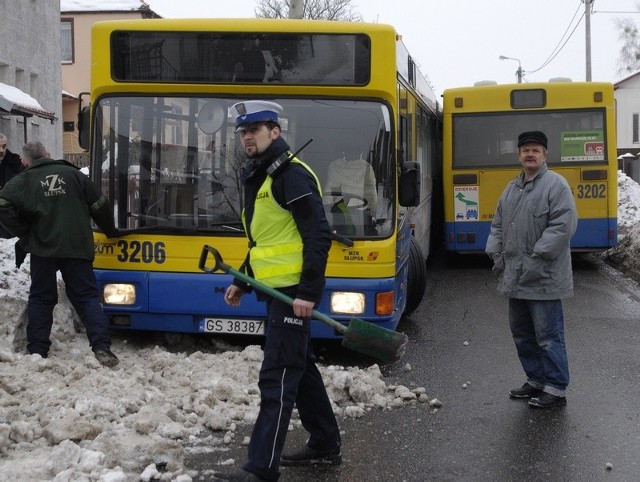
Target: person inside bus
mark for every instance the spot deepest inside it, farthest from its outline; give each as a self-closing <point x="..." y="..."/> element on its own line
<point x="351" y="193"/>
<point x="289" y="239"/>
<point x="529" y="243"/>
<point x="251" y="65"/>
<point x="49" y="207"/>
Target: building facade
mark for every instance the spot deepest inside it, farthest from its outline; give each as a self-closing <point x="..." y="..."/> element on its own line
<point x="30" y="63"/>
<point x="627" y="93"/>
<point x="76" y="19"/>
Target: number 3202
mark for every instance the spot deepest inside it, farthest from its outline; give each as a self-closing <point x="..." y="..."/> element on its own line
<point x="592" y="191"/>
<point x="141" y="252"/>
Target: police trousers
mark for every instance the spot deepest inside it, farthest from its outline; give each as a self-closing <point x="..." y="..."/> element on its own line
<point x="288" y="376"/>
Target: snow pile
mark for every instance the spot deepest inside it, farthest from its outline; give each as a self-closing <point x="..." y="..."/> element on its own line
<point x="628" y="204"/>
<point x="68" y="418"/>
<point x="626" y="255"/>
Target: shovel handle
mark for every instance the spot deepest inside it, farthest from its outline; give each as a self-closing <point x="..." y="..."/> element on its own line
<point x="360" y="336"/>
<point x="221" y="266"/>
<point x="217" y="258"/>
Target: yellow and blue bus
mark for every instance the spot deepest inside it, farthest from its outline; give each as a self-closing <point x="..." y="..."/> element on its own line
<point x="163" y="148"/>
<point x="480" y="154"/>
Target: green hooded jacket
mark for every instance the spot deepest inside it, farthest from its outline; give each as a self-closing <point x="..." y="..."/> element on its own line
<point x="49" y="206"/>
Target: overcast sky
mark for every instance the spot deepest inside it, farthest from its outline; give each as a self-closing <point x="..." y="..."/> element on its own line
<point x="458" y="42"/>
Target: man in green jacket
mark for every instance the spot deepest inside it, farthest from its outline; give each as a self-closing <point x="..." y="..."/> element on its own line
<point x="49" y="207"/>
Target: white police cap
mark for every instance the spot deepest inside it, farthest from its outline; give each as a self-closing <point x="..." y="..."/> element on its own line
<point x="254" y="112"/>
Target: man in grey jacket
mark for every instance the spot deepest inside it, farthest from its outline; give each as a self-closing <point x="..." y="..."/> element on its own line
<point x="529" y="243"/>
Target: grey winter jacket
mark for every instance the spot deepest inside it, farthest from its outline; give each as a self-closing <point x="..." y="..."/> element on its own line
<point x="530" y="236"/>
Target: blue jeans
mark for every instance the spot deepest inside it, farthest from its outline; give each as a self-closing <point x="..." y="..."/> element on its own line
<point x="82" y="291"/>
<point x="537" y="327"/>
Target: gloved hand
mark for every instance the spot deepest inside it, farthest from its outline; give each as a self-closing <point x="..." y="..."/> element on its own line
<point x="21" y="254"/>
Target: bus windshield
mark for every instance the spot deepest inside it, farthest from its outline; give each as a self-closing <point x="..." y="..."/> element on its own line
<point x="489" y="139"/>
<point x="172" y="163"/>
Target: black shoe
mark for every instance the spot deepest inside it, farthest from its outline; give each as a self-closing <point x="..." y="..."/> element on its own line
<point x="546" y="400"/>
<point x="309" y="456"/>
<point x="239" y="475"/>
<point x="526" y="391"/>
<point x="106" y="357"/>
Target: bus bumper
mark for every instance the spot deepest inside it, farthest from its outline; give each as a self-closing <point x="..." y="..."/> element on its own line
<point x="194" y="303"/>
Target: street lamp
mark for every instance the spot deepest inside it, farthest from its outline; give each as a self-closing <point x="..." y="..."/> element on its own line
<point x="519" y="72"/>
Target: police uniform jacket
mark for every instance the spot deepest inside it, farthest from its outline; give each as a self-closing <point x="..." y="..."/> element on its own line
<point x="296" y="190"/>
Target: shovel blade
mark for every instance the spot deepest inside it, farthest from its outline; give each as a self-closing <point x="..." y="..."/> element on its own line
<point x="374" y="341"/>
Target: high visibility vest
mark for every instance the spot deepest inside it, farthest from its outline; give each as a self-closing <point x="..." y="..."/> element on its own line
<point x="276" y="256"/>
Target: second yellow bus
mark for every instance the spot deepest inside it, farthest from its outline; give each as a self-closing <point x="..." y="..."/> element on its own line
<point x="481" y="128"/>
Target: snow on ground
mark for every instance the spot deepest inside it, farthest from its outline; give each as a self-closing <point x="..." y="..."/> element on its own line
<point x="67" y="418"/>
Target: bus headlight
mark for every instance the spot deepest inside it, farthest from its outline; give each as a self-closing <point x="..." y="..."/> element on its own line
<point x="119" y="294"/>
<point x="347" y="302"/>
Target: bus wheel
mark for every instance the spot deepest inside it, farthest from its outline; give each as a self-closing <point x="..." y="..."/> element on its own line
<point x="417" y="277"/>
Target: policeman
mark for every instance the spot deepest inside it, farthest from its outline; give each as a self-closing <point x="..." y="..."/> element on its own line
<point x="289" y="239"/>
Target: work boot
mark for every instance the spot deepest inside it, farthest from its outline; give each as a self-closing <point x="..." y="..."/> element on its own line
<point x="526" y="391"/>
<point x="106" y="357"/>
<point x="309" y="456"/>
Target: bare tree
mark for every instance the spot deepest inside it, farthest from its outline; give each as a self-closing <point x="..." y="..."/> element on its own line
<point x="313" y="10"/>
<point x="629" y="58"/>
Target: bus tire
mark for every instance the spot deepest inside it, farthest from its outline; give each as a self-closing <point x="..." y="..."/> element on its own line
<point x="417" y="277"/>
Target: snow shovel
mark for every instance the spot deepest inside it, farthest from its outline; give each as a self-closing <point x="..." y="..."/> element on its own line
<point x="359" y="335"/>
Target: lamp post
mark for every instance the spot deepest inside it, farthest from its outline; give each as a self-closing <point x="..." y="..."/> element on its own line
<point x="519" y="72"/>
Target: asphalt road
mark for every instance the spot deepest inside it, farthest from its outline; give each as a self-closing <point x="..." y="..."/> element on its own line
<point x="461" y="351"/>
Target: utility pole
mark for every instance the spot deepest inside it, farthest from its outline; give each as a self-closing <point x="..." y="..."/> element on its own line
<point x="296" y="8"/>
<point x="587" y="27"/>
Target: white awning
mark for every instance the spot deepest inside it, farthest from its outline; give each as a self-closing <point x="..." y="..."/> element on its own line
<point x="16" y="102"/>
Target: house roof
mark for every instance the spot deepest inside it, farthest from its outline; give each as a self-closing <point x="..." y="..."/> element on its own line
<point x="106" y="6"/>
<point x="626" y="79"/>
<point x="99" y="5"/>
<point x="16" y="102"/>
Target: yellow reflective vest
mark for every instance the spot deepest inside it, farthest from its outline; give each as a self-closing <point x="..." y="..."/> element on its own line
<point x="276" y="256"/>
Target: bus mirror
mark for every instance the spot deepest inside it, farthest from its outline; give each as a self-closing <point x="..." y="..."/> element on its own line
<point x="211" y="117"/>
<point x="83" y="127"/>
<point x="409" y="188"/>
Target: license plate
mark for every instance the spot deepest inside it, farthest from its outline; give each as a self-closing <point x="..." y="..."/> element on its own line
<point x="238" y="327"/>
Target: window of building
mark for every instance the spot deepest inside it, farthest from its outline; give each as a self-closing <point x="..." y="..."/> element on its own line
<point x="66" y="40"/>
<point x="636" y="130"/>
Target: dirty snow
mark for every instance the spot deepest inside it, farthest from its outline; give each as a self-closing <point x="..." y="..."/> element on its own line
<point x="67" y="418"/>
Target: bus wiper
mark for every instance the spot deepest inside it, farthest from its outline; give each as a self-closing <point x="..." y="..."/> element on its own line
<point x="233" y="226"/>
<point x="342" y="239"/>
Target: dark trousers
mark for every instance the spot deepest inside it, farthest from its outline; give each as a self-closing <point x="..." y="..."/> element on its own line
<point x="82" y="291"/>
<point x="288" y="376"/>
